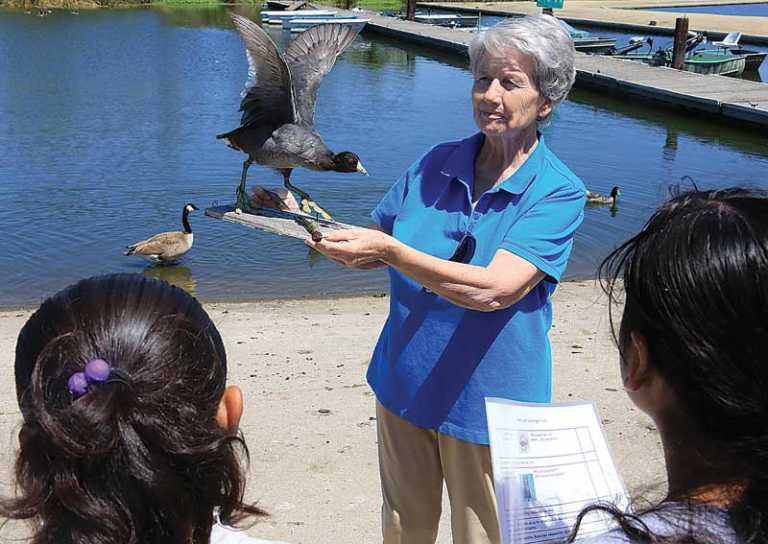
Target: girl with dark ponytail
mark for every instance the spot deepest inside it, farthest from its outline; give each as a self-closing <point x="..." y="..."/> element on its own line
<point x="130" y="434"/>
<point x="694" y="356"/>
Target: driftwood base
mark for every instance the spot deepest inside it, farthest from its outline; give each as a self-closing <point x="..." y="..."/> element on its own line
<point x="272" y="220"/>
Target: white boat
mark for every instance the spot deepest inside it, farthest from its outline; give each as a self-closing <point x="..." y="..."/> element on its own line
<point x="277" y="17"/>
<point x="454" y="20"/>
<point x="297" y="13"/>
<point x="300" y="25"/>
<point x="289" y="23"/>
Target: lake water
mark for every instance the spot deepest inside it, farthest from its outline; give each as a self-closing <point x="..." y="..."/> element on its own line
<point x="749" y="10"/>
<point x="107" y="125"/>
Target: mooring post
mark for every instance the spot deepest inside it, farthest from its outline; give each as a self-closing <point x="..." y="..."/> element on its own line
<point x="547" y="11"/>
<point x="681" y="36"/>
<point x="347" y="4"/>
<point x="410" y="9"/>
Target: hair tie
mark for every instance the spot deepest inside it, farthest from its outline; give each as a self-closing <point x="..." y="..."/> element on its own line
<point x="96" y="371"/>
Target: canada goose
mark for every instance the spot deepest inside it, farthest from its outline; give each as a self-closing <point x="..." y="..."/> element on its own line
<point x="598" y="199"/>
<point x="277" y="125"/>
<point x="166" y="247"/>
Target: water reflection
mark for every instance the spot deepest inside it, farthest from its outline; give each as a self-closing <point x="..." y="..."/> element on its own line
<point x="374" y="55"/>
<point x="119" y="166"/>
<point x="204" y="16"/>
<point x="612" y="210"/>
<point x="178" y="275"/>
<point x="675" y="122"/>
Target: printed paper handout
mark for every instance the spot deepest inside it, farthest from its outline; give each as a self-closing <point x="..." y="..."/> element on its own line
<point x="549" y="462"/>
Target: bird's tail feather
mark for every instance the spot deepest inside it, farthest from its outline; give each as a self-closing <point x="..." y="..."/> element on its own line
<point x="129" y="250"/>
<point x="229" y="138"/>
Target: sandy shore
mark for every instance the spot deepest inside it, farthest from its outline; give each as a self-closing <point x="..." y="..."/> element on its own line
<point x="309" y="417"/>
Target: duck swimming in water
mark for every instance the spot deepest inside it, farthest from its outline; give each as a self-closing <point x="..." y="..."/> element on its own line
<point x="277" y="126"/>
<point x="597" y="199"/>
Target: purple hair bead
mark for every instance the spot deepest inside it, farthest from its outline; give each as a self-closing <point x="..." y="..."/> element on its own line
<point x="77" y="384"/>
<point x="97" y="370"/>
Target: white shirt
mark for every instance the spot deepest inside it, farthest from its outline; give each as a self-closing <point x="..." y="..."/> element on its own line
<point x="223" y="534"/>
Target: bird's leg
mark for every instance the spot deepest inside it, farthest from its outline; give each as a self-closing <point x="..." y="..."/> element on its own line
<point x="242" y="197"/>
<point x="306" y="204"/>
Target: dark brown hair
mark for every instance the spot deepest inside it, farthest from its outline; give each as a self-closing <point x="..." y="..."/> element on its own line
<point x="139" y="458"/>
<point x="695" y="285"/>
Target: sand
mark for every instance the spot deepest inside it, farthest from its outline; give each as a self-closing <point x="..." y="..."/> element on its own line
<point x="309" y="417"/>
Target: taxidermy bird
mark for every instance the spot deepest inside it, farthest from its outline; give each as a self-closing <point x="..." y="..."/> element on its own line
<point x="166" y="247"/>
<point x="277" y="126"/>
<point x="597" y="199"/>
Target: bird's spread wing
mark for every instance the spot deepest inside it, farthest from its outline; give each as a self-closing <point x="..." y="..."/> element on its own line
<point x="268" y="95"/>
<point x="310" y="56"/>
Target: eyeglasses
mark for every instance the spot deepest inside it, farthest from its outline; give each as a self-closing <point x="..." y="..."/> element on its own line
<point x="465" y="250"/>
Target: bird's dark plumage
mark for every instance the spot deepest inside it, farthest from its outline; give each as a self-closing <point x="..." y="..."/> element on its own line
<point x="277" y="125"/>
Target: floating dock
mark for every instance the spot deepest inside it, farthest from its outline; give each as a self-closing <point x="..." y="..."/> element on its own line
<point x="631" y="15"/>
<point x="731" y="99"/>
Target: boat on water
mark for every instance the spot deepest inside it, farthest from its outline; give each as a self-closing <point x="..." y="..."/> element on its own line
<point x="713" y="61"/>
<point x="587" y="42"/>
<point x="752" y="59"/>
<point x="277" y="17"/>
<point x="633" y="51"/>
<point x="720" y="61"/>
<point x="300" y="25"/>
<point x="453" y="20"/>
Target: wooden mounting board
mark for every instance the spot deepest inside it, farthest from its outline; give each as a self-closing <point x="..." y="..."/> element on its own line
<point x="272" y="220"/>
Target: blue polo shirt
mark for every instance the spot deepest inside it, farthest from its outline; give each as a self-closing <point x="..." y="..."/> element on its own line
<point x="435" y="362"/>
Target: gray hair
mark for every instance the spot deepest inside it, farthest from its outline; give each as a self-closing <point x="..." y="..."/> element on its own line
<point x="544" y="40"/>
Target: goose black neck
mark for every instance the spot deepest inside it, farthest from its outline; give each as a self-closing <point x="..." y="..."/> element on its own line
<point x="185" y="221"/>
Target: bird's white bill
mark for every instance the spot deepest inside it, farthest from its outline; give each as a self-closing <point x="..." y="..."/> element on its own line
<point x="360" y="169"/>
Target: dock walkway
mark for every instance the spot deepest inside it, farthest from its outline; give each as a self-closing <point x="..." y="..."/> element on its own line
<point x="731" y="99"/>
<point x="633" y="15"/>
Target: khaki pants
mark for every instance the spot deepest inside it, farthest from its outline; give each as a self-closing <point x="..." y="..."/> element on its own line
<point x="413" y="463"/>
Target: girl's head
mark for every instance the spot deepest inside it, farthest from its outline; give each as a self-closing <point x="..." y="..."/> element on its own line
<point x="694" y="332"/>
<point x="146" y="456"/>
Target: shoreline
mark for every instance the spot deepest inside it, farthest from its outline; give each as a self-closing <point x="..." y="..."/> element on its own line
<point x="310" y="414"/>
<point x="307" y="298"/>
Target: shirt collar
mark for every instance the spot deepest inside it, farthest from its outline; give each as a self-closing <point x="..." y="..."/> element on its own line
<point x="460" y="165"/>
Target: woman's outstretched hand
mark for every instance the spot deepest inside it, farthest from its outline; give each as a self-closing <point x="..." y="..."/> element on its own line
<point x="356" y="248"/>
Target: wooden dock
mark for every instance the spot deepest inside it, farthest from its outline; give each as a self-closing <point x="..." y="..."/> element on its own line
<point x="731" y="99"/>
<point x="631" y="15"/>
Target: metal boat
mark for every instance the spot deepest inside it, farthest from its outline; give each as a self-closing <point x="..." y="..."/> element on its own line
<point x="586" y="42"/>
<point x="277" y="17"/>
<point x="714" y="61"/>
<point x="453" y="20"/>
<point x="279" y="14"/>
<point x="719" y="61"/>
<point x="752" y="59"/>
<point x="300" y="25"/>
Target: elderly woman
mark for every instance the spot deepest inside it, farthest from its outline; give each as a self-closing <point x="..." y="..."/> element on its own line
<point x="476" y="235"/>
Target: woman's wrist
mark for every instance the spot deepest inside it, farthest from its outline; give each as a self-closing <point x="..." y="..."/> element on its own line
<point x="390" y="249"/>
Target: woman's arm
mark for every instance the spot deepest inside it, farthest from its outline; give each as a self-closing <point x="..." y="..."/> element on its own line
<point x="506" y="280"/>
